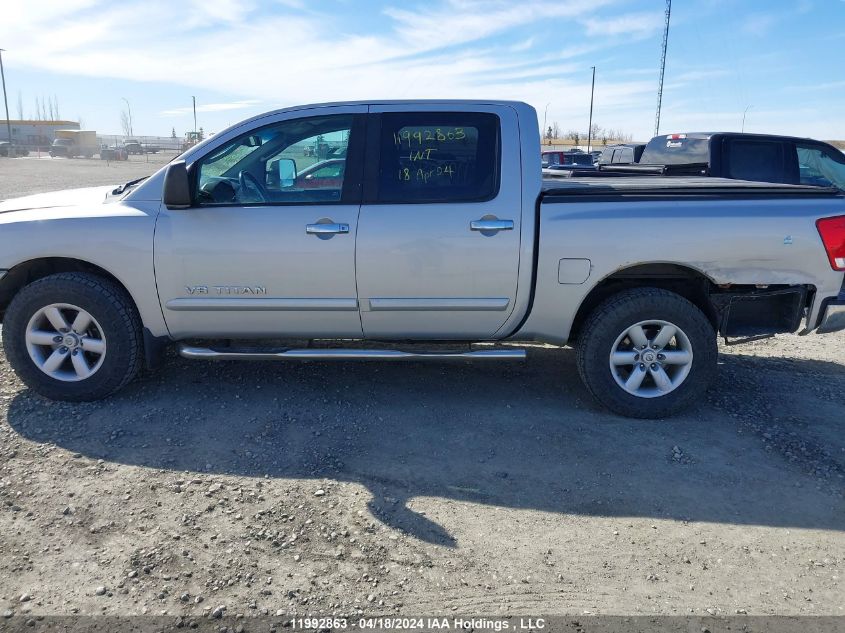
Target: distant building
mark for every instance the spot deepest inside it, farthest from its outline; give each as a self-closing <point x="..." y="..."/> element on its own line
<point x="32" y="134"/>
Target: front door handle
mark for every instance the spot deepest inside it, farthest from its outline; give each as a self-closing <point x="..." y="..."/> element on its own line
<point x="491" y="225"/>
<point x="326" y="229"/>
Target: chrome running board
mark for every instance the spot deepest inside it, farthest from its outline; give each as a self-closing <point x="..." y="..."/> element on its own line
<point x="206" y="353"/>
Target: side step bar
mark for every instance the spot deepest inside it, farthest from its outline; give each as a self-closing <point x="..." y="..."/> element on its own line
<point x="206" y="353"/>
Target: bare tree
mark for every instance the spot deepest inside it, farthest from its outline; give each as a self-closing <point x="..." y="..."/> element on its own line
<point x="56" y="107"/>
<point x="81" y="121"/>
<point x="37" y="109"/>
<point x="124" y="123"/>
<point x="549" y="136"/>
<point x="555" y="130"/>
<point x="574" y="136"/>
<point x="596" y="131"/>
<point x="44" y="110"/>
<point x="612" y="134"/>
<point x="20" y="105"/>
<point x="50" y="108"/>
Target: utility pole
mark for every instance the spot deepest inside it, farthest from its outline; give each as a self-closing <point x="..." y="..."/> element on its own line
<point x="131" y="131"/>
<point x="744" y="112"/>
<point x="590" y="128"/>
<point x="662" y="67"/>
<point x="195" y="115"/>
<point x="6" y="102"/>
<point x="545" y="115"/>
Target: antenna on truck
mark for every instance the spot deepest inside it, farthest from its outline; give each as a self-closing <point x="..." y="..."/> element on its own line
<point x="662" y="67"/>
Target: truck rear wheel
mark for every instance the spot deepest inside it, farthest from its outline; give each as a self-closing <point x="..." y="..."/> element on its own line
<point x="73" y="336"/>
<point x="647" y="353"/>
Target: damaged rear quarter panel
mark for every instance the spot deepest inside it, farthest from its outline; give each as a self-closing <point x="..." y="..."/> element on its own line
<point x="740" y="241"/>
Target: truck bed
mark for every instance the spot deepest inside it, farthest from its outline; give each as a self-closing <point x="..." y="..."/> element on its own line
<point x="568" y="189"/>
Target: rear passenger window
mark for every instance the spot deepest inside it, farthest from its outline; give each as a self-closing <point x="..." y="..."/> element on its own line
<point x="438" y="157"/>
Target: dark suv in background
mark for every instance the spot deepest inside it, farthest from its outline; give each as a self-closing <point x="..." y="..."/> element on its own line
<point x="621" y="154"/>
<point x="759" y="157"/>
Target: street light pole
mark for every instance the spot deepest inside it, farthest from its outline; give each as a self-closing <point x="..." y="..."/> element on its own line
<point x="545" y="116"/>
<point x="131" y="131"/>
<point x="6" y="102"/>
<point x="590" y="129"/>
<point x="744" y="112"/>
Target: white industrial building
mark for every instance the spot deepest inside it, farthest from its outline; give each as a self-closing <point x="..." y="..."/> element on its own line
<point x="34" y="134"/>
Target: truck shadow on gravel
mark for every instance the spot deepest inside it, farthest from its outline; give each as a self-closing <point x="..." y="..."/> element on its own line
<point x="520" y="437"/>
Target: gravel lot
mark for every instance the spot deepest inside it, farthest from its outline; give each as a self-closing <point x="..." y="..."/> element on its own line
<point x="24" y="176"/>
<point x="318" y="488"/>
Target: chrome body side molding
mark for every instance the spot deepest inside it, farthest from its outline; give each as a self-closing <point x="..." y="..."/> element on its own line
<point x="264" y="304"/>
<point x="434" y="304"/>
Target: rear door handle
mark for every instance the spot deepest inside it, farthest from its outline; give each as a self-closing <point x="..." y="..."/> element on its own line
<point x="326" y="229"/>
<point x="491" y="225"/>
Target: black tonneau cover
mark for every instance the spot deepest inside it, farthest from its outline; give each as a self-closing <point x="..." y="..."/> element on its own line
<point x="566" y="189"/>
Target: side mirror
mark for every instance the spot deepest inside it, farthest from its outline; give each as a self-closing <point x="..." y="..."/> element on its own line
<point x="177" y="187"/>
<point x="287" y="172"/>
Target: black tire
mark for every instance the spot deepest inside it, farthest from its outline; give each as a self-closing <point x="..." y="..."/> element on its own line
<point x="625" y="309"/>
<point x="113" y="310"/>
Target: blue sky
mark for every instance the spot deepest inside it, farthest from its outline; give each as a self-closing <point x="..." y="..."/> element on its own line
<point x="780" y="59"/>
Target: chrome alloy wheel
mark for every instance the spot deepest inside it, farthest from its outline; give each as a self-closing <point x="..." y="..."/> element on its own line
<point x="65" y="342"/>
<point x="651" y="358"/>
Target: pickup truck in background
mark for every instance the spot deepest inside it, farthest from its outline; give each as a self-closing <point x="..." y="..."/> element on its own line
<point x="9" y="150"/>
<point x="73" y="143"/>
<point x="438" y="241"/>
<point x="621" y="154"/>
<point x="741" y="156"/>
<point x="134" y="146"/>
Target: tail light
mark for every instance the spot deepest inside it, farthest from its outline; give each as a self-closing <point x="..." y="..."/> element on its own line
<point x="832" y="231"/>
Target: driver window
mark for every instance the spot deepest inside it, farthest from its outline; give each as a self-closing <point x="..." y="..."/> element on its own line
<point x="292" y="162"/>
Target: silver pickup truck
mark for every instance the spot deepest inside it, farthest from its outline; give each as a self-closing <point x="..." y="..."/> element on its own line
<point x="411" y="231"/>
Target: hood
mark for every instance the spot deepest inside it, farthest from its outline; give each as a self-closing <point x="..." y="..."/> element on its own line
<point x="66" y="198"/>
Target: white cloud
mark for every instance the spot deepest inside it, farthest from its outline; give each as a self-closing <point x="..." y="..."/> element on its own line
<point x="633" y="24"/>
<point x="300" y="53"/>
<point x="460" y="21"/>
<point x="211" y="107"/>
<point x="302" y="56"/>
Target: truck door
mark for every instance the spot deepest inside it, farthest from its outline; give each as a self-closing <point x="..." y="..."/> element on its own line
<point x="439" y="230"/>
<point x="267" y="249"/>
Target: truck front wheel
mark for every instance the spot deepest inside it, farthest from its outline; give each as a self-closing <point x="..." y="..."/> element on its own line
<point x="73" y="336"/>
<point x="647" y="353"/>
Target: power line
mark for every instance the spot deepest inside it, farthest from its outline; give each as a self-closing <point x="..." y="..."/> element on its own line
<point x="662" y="67"/>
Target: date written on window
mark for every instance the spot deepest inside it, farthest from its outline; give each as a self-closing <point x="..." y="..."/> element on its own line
<point x="425" y="176"/>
